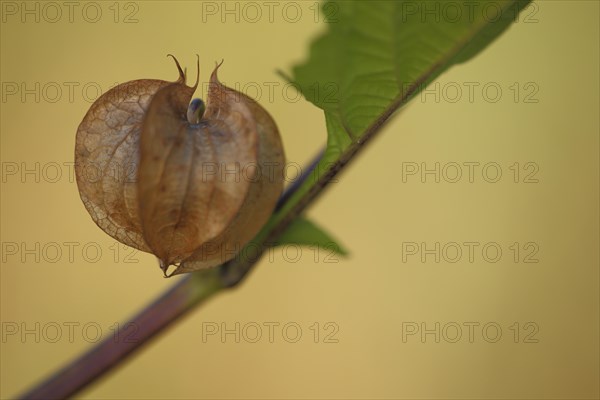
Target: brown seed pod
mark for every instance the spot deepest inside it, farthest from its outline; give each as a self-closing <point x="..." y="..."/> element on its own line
<point x="160" y="175"/>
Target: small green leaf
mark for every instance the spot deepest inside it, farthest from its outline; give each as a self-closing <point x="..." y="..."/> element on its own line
<point x="375" y="56"/>
<point x="379" y="54"/>
<point x="305" y="233"/>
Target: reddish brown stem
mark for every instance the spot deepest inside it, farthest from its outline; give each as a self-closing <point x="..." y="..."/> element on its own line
<point x="184" y="296"/>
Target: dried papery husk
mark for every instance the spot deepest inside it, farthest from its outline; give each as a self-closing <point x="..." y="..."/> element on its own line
<point x="192" y="193"/>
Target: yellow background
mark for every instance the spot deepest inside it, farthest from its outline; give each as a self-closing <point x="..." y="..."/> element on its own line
<point x="371" y="210"/>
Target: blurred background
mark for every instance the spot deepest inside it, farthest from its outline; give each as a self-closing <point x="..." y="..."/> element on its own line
<point x="472" y="220"/>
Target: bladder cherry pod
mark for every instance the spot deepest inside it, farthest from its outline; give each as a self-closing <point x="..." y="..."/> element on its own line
<point x="189" y="182"/>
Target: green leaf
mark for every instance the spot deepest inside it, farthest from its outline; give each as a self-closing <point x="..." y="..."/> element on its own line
<point x="375" y="55"/>
<point x="305" y="233"/>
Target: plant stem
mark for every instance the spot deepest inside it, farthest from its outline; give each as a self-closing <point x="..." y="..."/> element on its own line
<point x="184" y="296"/>
<point x="176" y="302"/>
